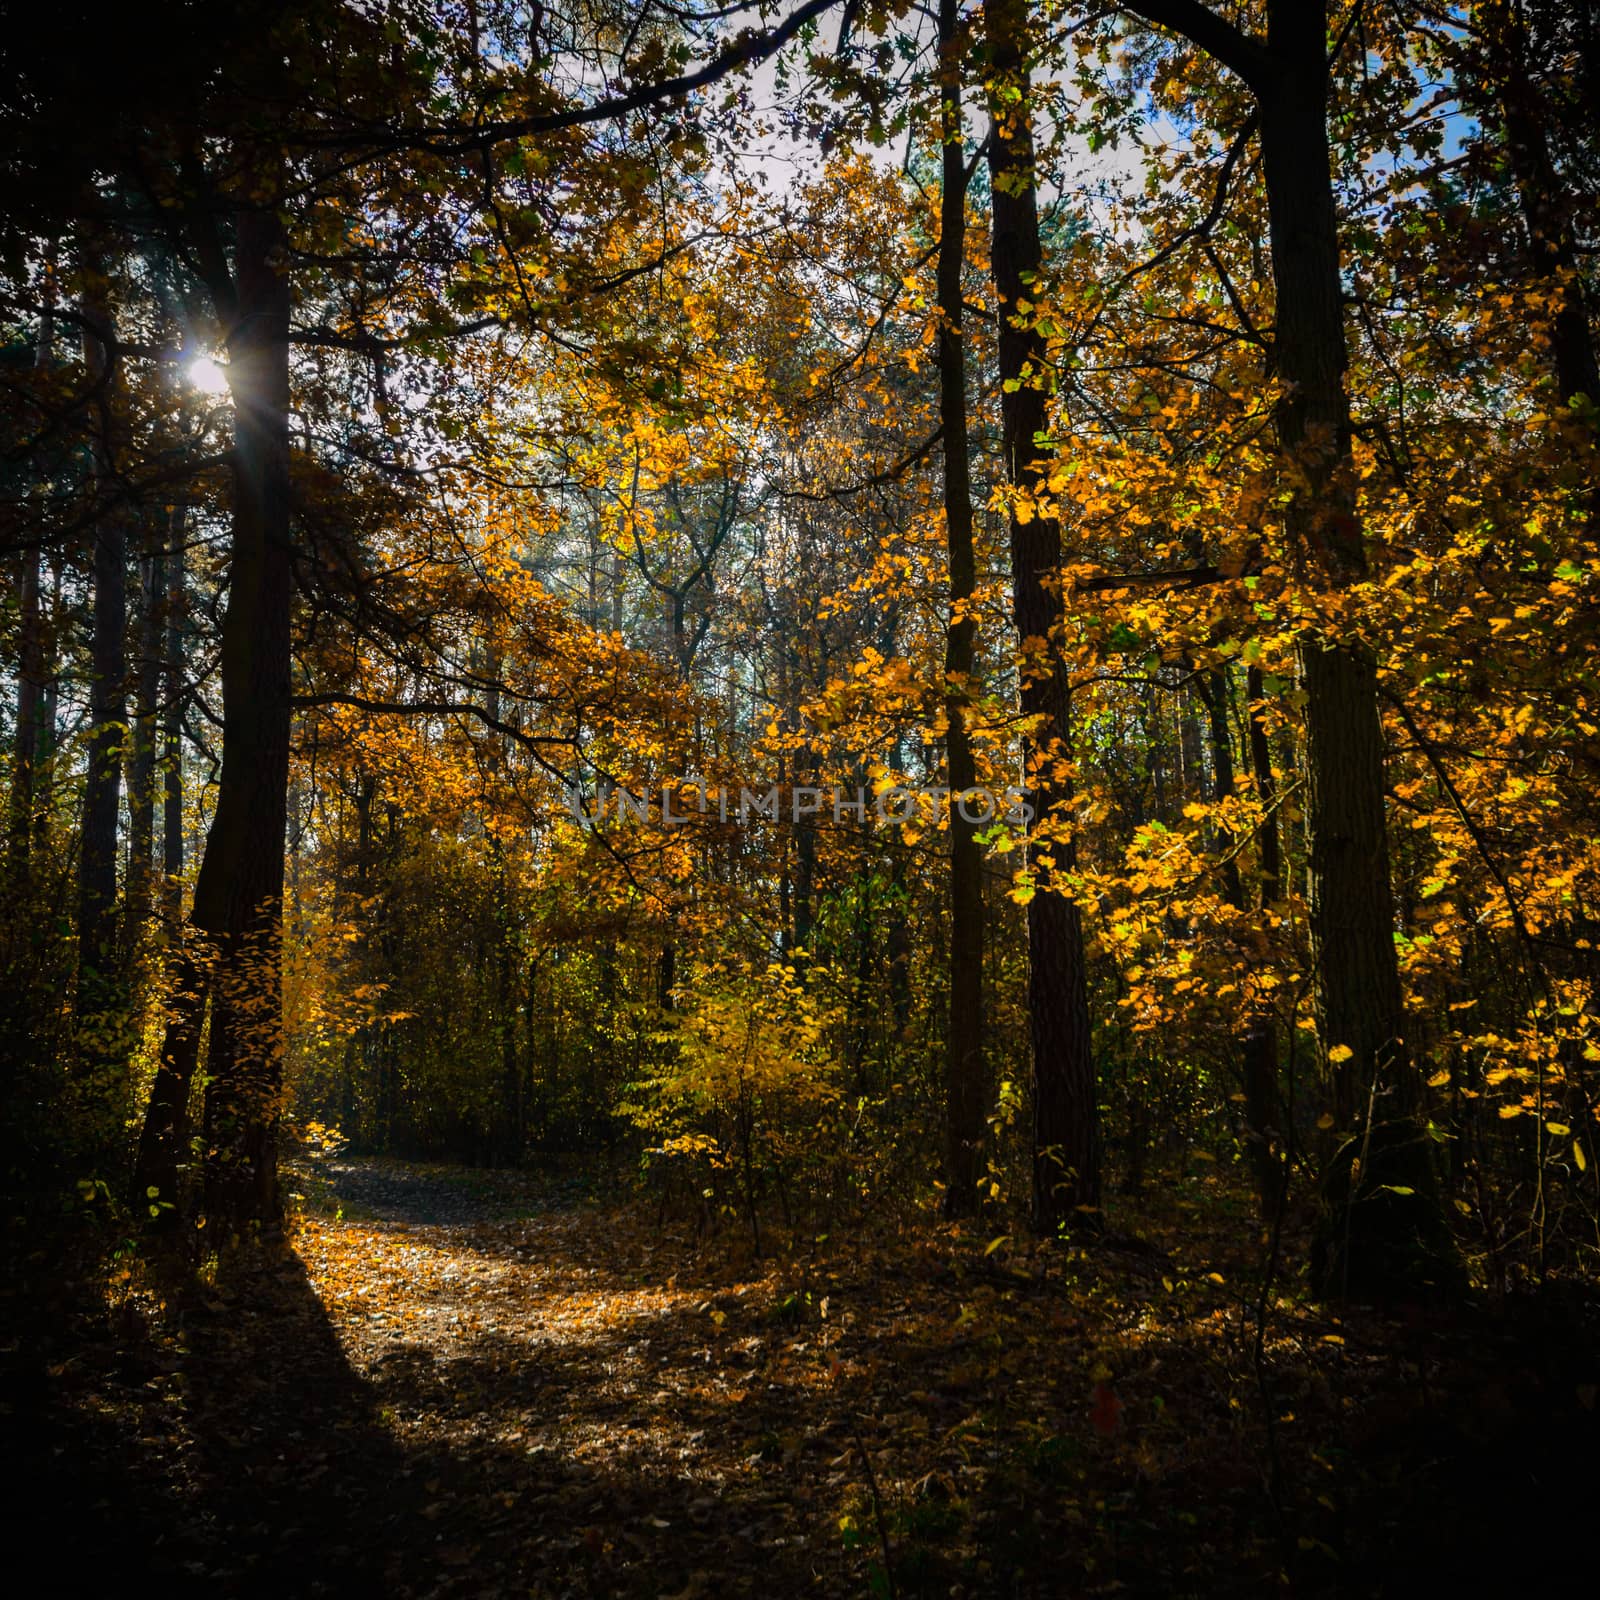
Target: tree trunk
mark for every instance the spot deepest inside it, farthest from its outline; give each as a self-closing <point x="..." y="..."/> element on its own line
<point x="97" y="861"/>
<point x="1258" y="1044"/>
<point x="44" y="767"/>
<point x="1546" y="211"/>
<point x="142" y="757"/>
<point x="30" y="683"/>
<point x="239" y="890"/>
<point x="238" y="898"/>
<point x="1383" y="1230"/>
<point x="30" y="693"/>
<point x="963" y="1067"/>
<point x="164" y="1135"/>
<point x="1066" y="1138"/>
<point x="174" y="699"/>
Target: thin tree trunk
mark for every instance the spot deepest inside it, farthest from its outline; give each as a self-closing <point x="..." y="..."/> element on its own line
<point x="142" y="758"/>
<point x="1261" y="1066"/>
<point x="1546" y="211"/>
<point x="174" y="698"/>
<point x="30" y="681"/>
<point x="1258" y="1045"/>
<point x="805" y="877"/>
<point x="963" y="1066"/>
<point x="44" y="769"/>
<point x="30" y="695"/>
<point x="1066" y="1135"/>
<point x="97" y="862"/>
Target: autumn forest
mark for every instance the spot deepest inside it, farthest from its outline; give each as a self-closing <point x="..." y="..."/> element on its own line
<point x="800" y="796"/>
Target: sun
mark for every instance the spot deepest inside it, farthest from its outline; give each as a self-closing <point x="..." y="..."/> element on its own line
<point x="207" y="375"/>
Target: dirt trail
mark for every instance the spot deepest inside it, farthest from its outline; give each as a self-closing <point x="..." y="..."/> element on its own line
<point x="563" y="1394"/>
<point x="456" y="1383"/>
<point x="435" y="1196"/>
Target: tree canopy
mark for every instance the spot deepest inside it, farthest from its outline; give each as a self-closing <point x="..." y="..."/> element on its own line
<point x="857" y="615"/>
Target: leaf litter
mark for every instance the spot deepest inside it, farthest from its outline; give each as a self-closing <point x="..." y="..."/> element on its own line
<point x="462" y="1383"/>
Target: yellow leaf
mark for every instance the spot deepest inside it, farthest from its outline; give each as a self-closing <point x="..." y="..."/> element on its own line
<point x="1340" y="1052"/>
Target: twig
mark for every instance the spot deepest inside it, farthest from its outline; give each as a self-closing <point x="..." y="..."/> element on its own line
<point x="1258" y="1356"/>
<point x="877" y="1513"/>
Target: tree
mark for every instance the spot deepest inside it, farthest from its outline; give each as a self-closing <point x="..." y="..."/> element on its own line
<point x="1384" y="1228"/>
<point x="97" y="863"/>
<point x="964" y="1067"/>
<point x="1066" y="1145"/>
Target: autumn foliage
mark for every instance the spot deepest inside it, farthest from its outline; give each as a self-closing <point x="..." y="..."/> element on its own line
<point x="495" y="499"/>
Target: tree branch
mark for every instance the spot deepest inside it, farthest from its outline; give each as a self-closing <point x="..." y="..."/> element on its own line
<point x="1242" y="55"/>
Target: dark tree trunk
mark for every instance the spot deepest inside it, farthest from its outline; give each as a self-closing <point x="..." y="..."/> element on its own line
<point x="898" y="944"/>
<point x="97" y="861"/>
<point x="1066" y="1138"/>
<point x="174" y="699"/>
<point x="142" y="756"/>
<point x="239" y="890"/>
<point x="238" y="898"/>
<point x="1383" y="1229"/>
<point x="30" y="684"/>
<point x="964" y="1086"/>
<point x="164" y="1135"/>
<point x="805" y="878"/>
<point x="1261" y="1061"/>
<point x="44" y="767"/>
<point x="1258" y="1044"/>
<point x="1546" y="210"/>
<point x="30" y="696"/>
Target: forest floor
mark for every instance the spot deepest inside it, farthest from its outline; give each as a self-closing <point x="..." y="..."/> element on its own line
<point x="459" y="1383"/>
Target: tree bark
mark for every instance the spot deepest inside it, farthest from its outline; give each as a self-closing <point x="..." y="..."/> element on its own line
<point x="97" y="860"/>
<point x="30" y="683"/>
<point x="236" y="946"/>
<point x="1066" y="1135"/>
<point x="1546" y="210"/>
<point x="44" y="769"/>
<point x="174" y="698"/>
<point x="239" y="889"/>
<point x="964" y="1086"/>
<point x="30" y="694"/>
<point x="1383" y="1230"/>
<point x="140" y="893"/>
<point x="1258" y="1043"/>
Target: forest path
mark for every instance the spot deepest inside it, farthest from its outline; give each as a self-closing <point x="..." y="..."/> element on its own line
<point x="463" y="1383"/>
<point x="576" y="1402"/>
<point x="441" y="1196"/>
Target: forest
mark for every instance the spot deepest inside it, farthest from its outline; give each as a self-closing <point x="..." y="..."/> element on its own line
<point x="800" y="796"/>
